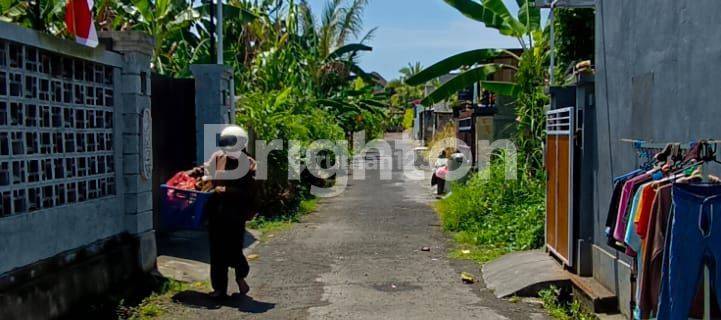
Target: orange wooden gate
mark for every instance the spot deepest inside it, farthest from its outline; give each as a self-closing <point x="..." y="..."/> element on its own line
<point x="559" y="190"/>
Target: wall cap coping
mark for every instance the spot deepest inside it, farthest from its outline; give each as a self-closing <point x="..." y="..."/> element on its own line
<point x="200" y="69"/>
<point x="41" y="40"/>
<point x="128" y="41"/>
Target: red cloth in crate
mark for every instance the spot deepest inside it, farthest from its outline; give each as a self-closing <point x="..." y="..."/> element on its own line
<point x="181" y="180"/>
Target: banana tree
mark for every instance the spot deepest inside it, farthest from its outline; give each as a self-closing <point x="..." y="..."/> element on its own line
<point x="479" y="64"/>
<point x="525" y="27"/>
<point x="47" y="16"/>
<point x="167" y="21"/>
<point x="357" y="108"/>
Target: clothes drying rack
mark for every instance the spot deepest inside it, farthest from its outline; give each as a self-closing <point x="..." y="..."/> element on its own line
<point x="647" y="150"/>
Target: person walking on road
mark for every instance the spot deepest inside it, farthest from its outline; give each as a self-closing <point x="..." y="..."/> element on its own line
<point x="232" y="175"/>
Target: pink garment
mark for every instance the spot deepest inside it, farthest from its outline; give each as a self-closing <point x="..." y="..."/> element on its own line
<point x="619" y="233"/>
<point x="442" y="172"/>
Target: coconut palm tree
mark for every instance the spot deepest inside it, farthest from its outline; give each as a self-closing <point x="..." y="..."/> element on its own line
<point x="410" y="70"/>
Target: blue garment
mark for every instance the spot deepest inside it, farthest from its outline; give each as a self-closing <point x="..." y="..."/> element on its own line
<point x="632" y="239"/>
<point x="628" y="175"/>
<point x="694" y="240"/>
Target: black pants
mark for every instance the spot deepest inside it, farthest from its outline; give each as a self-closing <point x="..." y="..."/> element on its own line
<point x="219" y="275"/>
<point x="226" y="251"/>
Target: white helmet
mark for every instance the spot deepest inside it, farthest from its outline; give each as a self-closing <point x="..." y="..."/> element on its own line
<point x="233" y="140"/>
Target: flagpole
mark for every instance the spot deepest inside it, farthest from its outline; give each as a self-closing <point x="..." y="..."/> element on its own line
<point x="220" y="32"/>
<point x="38" y="16"/>
<point x="211" y="30"/>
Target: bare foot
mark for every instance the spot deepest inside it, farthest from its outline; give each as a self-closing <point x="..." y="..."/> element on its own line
<point x="243" y="287"/>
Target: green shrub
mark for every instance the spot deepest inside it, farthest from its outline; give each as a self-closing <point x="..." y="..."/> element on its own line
<point x="494" y="213"/>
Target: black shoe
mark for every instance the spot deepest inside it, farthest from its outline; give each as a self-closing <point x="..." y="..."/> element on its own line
<point x="218" y="295"/>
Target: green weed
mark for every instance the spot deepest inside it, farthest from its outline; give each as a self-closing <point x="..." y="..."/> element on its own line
<point x="155" y="305"/>
<point x="480" y="254"/>
<point x="561" y="310"/>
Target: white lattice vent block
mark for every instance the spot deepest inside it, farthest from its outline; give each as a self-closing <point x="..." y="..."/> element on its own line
<point x="56" y="129"/>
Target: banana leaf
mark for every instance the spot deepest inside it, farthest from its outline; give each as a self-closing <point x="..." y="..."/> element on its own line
<point x="459" y="83"/>
<point x="447" y="65"/>
<point x="349" y="48"/>
<point x="507" y="89"/>
<point x="481" y="13"/>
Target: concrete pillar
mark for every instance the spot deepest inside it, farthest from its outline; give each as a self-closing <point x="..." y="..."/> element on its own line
<point x="214" y="99"/>
<point x="136" y="127"/>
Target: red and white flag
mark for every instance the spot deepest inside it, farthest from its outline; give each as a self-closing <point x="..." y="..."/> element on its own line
<point x="79" y="21"/>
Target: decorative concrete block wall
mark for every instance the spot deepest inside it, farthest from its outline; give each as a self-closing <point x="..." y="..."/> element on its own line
<point x="75" y="153"/>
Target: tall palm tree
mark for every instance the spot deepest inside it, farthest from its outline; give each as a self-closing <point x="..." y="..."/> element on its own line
<point x="339" y="23"/>
<point x="410" y="70"/>
<point x="525" y="27"/>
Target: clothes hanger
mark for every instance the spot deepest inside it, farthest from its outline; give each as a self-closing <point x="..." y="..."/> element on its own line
<point x="684" y="166"/>
<point x="705" y="153"/>
<point x="664" y="154"/>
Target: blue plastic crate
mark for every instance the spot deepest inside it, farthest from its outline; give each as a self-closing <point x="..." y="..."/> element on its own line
<point x="182" y="209"/>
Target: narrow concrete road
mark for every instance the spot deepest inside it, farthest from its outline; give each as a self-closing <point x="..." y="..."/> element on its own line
<point x="360" y="257"/>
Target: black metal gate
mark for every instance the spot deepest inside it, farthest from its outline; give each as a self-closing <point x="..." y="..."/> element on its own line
<point x="174" y="141"/>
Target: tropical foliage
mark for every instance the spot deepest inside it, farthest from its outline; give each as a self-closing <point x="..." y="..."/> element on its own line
<point x="403" y="96"/>
<point x="492" y="216"/>
<point x="479" y="64"/>
<point x="411" y="70"/>
<point x="574" y="39"/>
<point x="47" y="15"/>
<point x="297" y="76"/>
<point x="525" y="27"/>
<point x="302" y="82"/>
<point x="489" y="214"/>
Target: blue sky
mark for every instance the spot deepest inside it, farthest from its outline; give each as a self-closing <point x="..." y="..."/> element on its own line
<point x="421" y="30"/>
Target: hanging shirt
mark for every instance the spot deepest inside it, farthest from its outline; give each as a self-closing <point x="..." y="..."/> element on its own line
<point x="633" y="242"/>
<point x="619" y="182"/>
<point x="619" y="232"/>
<point x="641" y="221"/>
<point x="652" y="256"/>
<point x="650" y="280"/>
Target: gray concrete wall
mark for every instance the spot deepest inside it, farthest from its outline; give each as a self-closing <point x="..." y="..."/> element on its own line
<point x="28" y="237"/>
<point x="214" y="96"/>
<point x="657" y="79"/>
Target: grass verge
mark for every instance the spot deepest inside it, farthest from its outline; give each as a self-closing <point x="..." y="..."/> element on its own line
<point x="283" y="222"/>
<point x="490" y="215"/>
